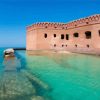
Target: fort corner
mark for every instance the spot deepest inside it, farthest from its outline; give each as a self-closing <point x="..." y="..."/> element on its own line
<point x="82" y="36"/>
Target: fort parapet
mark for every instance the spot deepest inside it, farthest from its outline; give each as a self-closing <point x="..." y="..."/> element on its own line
<point x="82" y="35"/>
<point x="95" y="19"/>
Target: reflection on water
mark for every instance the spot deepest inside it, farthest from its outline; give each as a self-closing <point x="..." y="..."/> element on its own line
<point x="71" y="76"/>
<point x="11" y="64"/>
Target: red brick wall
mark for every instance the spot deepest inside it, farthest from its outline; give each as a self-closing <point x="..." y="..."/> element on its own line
<point x="37" y="41"/>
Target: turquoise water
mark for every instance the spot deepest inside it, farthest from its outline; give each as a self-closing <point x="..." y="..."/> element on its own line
<point x="69" y="76"/>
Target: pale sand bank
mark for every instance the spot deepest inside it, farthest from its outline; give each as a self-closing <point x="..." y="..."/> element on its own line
<point x="48" y="52"/>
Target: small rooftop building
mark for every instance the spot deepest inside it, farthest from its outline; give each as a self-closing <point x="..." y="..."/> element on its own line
<point x="82" y="36"/>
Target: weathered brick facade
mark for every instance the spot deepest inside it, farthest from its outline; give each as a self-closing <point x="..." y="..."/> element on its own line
<point x="82" y="36"/>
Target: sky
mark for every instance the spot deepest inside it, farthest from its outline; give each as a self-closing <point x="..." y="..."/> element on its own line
<point x="16" y="15"/>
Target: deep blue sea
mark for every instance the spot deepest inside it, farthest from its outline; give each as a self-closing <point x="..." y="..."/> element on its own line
<point x="68" y="76"/>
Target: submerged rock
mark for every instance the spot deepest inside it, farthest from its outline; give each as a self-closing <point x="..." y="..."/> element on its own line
<point x="37" y="98"/>
<point x="15" y="85"/>
<point x="36" y="80"/>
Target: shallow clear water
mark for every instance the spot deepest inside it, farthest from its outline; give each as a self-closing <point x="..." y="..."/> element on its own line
<point x="69" y="76"/>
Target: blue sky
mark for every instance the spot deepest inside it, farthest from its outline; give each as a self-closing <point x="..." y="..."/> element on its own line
<point x="15" y="15"/>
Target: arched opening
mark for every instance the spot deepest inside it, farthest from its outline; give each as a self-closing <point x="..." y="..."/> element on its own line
<point x="99" y="32"/>
<point x="87" y="22"/>
<point x="66" y="45"/>
<point x="76" y="45"/>
<point x="75" y="25"/>
<point x="62" y="27"/>
<point x="45" y="35"/>
<point x="54" y="35"/>
<point x="67" y="36"/>
<point x="76" y="35"/>
<point x="62" y="45"/>
<point x="46" y="27"/>
<point x="55" y="27"/>
<point x="88" y="34"/>
<point x="54" y="45"/>
<point x="88" y="45"/>
<point x="62" y="36"/>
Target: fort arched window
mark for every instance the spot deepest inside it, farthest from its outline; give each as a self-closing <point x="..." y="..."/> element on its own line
<point x="46" y="27"/>
<point x="88" y="45"/>
<point x="54" y="45"/>
<point x="45" y="35"/>
<point x="67" y="36"/>
<point x="99" y="32"/>
<point x="76" y="35"/>
<point x="88" y="34"/>
<point x="75" y="45"/>
<point x="62" y="45"/>
<point x="87" y="22"/>
<point x="55" y="27"/>
<point x="62" y="36"/>
<point x="62" y="27"/>
<point x="54" y="35"/>
<point x="75" y="25"/>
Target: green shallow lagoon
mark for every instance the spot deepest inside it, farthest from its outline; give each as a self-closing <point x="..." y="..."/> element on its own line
<point x="69" y="76"/>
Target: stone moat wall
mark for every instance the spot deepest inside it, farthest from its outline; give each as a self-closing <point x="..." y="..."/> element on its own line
<point x="82" y="36"/>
